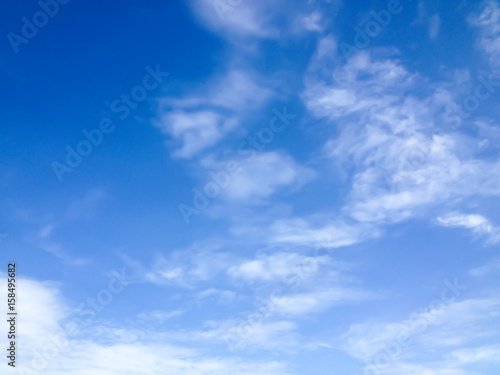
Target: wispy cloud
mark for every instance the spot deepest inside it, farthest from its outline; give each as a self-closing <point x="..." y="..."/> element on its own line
<point x="261" y="175"/>
<point x="488" y="24"/>
<point x="44" y="311"/>
<point x="274" y="267"/>
<point x="477" y="224"/>
<point x="486" y="269"/>
<point x="201" y="119"/>
<point x="401" y="164"/>
<point x="444" y="327"/>
<point x="158" y="316"/>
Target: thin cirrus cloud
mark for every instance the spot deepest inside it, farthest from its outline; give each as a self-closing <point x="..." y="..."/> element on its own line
<point x="434" y="26"/>
<point x="243" y="21"/>
<point x="432" y="22"/>
<point x="159" y="316"/>
<point x="490" y="268"/>
<point x="275" y="267"/>
<point x="481" y="354"/>
<point x="261" y="175"/>
<point x="313" y="22"/>
<point x="196" y="131"/>
<point x="477" y="224"/>
<point x="307" y="232"/>
<point x="320" y="300"/>
<point x="402" y="346"/>
<point x="44" y="317"/>
<point x="244" y="18"/>
<point x="187" y="268"/>
<point x="257" y="20"/>
<point x="272" y="334"/>
<point x="203" y="118"/>
<point x="489" y="33"/>
<point x="403" y="166"/>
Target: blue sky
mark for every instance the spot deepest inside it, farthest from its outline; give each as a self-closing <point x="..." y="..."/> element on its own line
<point x="252" y="187"/>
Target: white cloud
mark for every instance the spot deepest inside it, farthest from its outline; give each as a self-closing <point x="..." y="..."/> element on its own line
<point x="277" y="335"/>
<point x="488" y="268"/>
<point x="488" y="23"/>
<point x="159" y="316"/>
<point x="429" y="368"/>
<point x="85" y="207"/>
<point x="481" y="354"/>
<point x="187" y="267"/>
<point x="261" y="175"/>
<point x="362" y="85"/>
<point x="40" y="309"/>
<point x="311" y="22"/>
<point x="318" y="300"/>
<point x="309" y="232"/>
<point x="434" y="26"/>
<point x="252" y="331"/>
<point x="242" y="22"/>
<point x="58" y="251"/>
<point x="196" y="130"/>
<point x="477" y="224"/>
<point x="443" y="328"/>
<point x="46" y="230"/>
<point x="275" y="267"/>
<point x="392" y="139"/>
<point x="244" y="19"/>
<point x="132" y="352"/>
<point x="201" y="119"/>
<point x="138" y="358"/>
<point x="221" y="296"/>
<point x="236" y="90"/>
